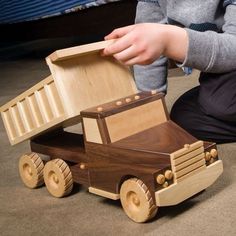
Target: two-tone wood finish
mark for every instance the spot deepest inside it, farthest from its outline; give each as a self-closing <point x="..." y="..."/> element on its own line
<point x="156" y="158"/>
<point x="142" y="155"/>
<point x="81" y="78"/>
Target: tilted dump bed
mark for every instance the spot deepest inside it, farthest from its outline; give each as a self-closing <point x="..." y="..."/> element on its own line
<point x="81" y="78"/>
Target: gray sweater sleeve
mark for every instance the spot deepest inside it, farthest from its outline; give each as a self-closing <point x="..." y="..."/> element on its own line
<point x="214" y="52"/>
<point x="152" y="76"/>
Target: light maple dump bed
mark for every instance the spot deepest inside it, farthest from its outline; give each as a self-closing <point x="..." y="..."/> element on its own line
<point x="81" y="78"/>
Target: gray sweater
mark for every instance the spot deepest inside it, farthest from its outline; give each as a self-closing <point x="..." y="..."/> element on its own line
<point x="211" y="28"/>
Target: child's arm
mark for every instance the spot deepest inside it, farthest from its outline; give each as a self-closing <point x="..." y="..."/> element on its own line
<point x="207" y="51"/>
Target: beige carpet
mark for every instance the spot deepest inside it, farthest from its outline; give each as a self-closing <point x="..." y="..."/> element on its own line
<point x="34" y="212"/>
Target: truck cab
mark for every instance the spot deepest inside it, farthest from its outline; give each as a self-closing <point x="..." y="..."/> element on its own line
<point x="134" y="139"/>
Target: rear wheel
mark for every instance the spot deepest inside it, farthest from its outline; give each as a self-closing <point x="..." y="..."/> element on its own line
<point x="58" y="178"/>
<point x="31" y="170"/>
<point x="137" y="201"/>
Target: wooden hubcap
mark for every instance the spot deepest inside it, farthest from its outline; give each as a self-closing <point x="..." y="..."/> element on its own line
<point x="133" y="199"/>
<point x="27" y="171"/>
<point x="53" y="179"/>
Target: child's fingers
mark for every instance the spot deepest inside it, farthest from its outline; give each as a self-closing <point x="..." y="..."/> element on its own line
<point x="126" y="54"/>
<point x="120" y="32"/>
<point x="119" y="45"/>
<point x="112" y="35"/>
<point x="134" y="61"/>
<point x="138" y="61"/>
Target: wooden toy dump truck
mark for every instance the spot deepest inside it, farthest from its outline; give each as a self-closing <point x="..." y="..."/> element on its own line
<point x="129" y="150"/>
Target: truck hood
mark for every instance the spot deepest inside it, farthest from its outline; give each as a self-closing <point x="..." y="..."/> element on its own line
<point x="164" y="138"/>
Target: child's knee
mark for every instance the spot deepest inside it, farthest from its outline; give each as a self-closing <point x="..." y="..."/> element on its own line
<point x="219" y="108"/>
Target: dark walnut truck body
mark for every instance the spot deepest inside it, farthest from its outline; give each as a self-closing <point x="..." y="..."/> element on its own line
<point x="129" y="150"/>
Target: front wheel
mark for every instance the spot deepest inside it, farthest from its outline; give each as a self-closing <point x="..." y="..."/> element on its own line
<point x="137" y="201"/>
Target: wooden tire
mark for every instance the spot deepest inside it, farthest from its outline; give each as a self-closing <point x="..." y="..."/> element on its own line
<point x="58" y="178"/>
<point x="31" y="170"/>
<point x="137" y="201"/>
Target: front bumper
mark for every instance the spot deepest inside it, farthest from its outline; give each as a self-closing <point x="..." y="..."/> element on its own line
<point x="190" y="186"/>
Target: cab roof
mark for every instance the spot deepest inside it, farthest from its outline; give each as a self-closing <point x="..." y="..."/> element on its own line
<point x="116" y="106"/>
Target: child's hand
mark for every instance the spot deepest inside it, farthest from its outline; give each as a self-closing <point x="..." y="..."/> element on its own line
<point x="137" y="44"/>
<point x="144" y="43"/>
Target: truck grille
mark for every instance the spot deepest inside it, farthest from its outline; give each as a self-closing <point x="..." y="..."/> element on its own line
<point x="188" y="161"/>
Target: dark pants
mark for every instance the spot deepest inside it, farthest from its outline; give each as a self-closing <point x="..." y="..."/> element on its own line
<point x="208" y="111"/>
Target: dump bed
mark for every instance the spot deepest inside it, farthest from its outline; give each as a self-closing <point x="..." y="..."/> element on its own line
<point x="81" y="78"/>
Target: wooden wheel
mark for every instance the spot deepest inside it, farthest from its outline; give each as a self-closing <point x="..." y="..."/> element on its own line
<point x="58" y="178"/>
<point x="137" y="201"/>
<point x="31" y="170"/>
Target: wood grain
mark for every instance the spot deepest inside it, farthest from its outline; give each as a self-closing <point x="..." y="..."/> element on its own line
<point x="189" y="186"/>
<point x="111" y="108"/>
<point x="68" y="53"/>
<point x="91" y="130"/>
<point x="60" y="144"/>
<point x="82" y="78"/>
<point x="135" y="120"/>
<point x="90" y="80"/>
